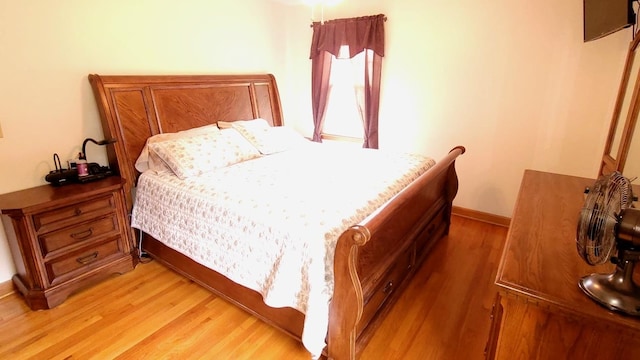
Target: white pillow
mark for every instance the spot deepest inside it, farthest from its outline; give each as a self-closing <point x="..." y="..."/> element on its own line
<point x="202" y="153"/>
<point x="269" y="140"/>
<point x="146" y="162"/>
<point x="258" y="123"/>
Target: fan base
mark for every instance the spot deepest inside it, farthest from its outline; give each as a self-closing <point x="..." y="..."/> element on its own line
<point x="613" y="291"/>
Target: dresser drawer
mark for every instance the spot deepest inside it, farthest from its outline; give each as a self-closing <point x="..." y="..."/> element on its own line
<point x="81" y="261"/>
<point x="425" y="240"/>
<point x="53" y="219"/>
<point x="78" y="234"/>
<point x="396" y="274"/>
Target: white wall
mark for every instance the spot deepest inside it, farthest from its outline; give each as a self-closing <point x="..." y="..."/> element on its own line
<point x="49" y="47"/>
<point x="509" y="79"/>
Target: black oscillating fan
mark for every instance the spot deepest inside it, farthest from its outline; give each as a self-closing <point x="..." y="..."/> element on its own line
<point x="608" y="222"/>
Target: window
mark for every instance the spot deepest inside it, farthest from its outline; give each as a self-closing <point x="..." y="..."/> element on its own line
<point x="366" y="32"/>
<point x="343" y="118"/>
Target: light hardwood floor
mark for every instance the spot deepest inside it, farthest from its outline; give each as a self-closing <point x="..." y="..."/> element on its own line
<point x="153" y="313"/>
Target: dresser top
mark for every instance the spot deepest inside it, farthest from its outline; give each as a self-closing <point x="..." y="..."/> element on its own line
<point x="540" y="262"/>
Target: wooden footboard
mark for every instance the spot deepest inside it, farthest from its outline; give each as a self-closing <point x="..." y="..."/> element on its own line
<point x="375" y="259"/>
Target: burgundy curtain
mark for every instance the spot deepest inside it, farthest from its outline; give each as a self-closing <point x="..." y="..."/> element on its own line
<point x="371" y="100"/>
<point x="359" y="34"/>
<point x="320" y="71"/>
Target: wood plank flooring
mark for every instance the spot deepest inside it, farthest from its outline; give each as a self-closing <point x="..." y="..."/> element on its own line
<point x="153" y="313"/>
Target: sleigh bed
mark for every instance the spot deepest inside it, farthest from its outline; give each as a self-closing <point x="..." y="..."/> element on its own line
<point x="373" y="259"/>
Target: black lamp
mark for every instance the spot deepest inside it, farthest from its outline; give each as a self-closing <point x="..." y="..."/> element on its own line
<point x="83" y="155"/>
<point x="90" y="172"/>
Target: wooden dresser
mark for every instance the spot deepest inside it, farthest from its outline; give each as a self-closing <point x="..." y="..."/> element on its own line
<point x="540" y="313"/>
<point x="65" y="238"/>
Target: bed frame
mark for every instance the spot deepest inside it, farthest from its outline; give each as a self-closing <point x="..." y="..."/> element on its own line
<point x="374" y="260"/>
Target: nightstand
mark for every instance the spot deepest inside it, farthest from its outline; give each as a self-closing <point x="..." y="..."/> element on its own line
<point x="66" y="238"/>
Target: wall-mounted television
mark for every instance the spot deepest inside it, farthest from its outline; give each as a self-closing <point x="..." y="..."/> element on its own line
<point x="604" y="17"/>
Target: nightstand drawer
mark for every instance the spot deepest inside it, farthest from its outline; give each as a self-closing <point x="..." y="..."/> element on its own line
<point x="81" y="260"/>
<point x="59" y="217"/>
<point x="78" y="234"/>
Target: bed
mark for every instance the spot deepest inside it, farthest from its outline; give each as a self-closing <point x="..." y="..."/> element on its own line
<point x="373" y="258"/>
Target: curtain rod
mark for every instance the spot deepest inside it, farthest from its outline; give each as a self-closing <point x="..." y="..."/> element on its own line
<point x="348" y="19"/>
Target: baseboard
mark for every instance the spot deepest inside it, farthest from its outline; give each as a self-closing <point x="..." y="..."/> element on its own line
<point x="481" y="216"/>
<point x="6" y="289"/>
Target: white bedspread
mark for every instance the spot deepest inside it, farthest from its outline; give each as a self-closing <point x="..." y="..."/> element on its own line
<point x="271" y="223"/>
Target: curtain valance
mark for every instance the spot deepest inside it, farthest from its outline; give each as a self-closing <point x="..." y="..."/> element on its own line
<point x="359" y="33"/>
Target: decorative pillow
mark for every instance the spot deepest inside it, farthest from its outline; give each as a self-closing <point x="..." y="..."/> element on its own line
<point x="244" y="149"/>
<point x="156" y="164"/>
<point x="146" y="162"/>
<point x="258" y="123"/>
<point x="269" y="140"/>
<point x="202" y="153"/>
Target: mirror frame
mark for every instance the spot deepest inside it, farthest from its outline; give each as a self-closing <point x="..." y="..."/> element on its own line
<point x="610" y="164"/>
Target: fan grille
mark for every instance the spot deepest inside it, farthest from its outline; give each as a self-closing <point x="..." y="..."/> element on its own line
<point x="597" y="223"/>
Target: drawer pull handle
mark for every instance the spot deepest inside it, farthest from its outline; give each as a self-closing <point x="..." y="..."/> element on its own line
<point x="88" y="259"/>
<point x="78" y="212"/>
<point x="82" y="234"/>
<point x="387" y="288"/>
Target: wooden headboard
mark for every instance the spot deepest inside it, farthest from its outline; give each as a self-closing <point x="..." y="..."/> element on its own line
<point x="133" y="108"/>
